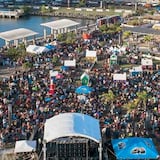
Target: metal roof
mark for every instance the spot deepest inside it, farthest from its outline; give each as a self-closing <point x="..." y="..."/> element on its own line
<point x="16" y="34"/>
<point x="62" y="23"/>
<point x="72" y="124"/>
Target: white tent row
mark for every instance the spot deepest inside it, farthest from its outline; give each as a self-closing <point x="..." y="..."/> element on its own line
<point x="37" y="49"/>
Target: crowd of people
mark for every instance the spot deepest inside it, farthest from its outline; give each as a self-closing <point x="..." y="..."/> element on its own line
<point x="25" y="102"/>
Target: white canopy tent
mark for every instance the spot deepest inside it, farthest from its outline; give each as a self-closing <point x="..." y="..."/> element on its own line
<point x="59" y="26"/>
<point x="120" y="76"/>
<point x="70" y="63"/>
<point x="37" y="49"/>
<point x="72" y="124"/>
<point x="25" y="146"/>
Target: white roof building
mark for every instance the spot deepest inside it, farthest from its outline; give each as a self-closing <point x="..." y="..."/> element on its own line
<point x="17" y="34"/>
<point x="59" y="26"/>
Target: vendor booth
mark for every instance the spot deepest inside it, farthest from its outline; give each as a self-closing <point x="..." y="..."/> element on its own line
<point x="136" y="71"/>
<point x="113" y="59"/>
<point x="86" y="36"/>
<point x="91" y="55"/>
<point x="147" y="63"/>
<point x="84" y="79"/>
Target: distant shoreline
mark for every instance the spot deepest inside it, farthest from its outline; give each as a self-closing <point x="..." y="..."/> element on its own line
<point x="67" y="15"/>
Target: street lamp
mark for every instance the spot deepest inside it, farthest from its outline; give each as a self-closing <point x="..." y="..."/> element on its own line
<point x="9" y="113"/>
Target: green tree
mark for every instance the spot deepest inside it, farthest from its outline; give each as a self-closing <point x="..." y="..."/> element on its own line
<point x="108" y="97"/>
<point x="71" y="37"/>
<point x="82" y="3"/>
<point x="27" y="65"/>
<point x="131" y="105"/>
<point x="127" y="34"/>
<point x="17" y="52"/>
<point x="43" y="9"/>
<point x="142" y="97"/>
<point x="148" y="39"/>
<point x="61" y="37"/>
<point x="26" y="10"/>
<point x="103" y="28"/>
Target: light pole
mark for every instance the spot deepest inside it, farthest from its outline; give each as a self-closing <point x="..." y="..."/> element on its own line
<point x="9" y="113"/>
<point x="44" y="150"/>
<point x="68" y="3"/>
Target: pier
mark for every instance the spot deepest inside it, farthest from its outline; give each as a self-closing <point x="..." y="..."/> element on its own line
<point x="11" y="14"/>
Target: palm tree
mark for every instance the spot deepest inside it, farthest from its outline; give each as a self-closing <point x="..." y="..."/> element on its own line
<point x="142" y="98"/>
<point x="131" y="105"/>
<point x="148" y="39"/>
<point x="108" y="98"/>
<point x="127" y="34"/>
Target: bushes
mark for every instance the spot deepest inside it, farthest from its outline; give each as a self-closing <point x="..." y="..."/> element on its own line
<point x="16" y="52"/>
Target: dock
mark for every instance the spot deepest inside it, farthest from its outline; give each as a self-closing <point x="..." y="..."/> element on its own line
<point x="11" y="14"/>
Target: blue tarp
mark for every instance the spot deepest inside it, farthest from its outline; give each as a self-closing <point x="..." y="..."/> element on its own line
<point x="134" y="148"/>
<point x="84" y="90"/>
<point x="64" y="68"/>
<point x="50" y="47"/>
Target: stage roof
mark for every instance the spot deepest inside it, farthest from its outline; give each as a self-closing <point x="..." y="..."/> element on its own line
<point x="16" y="34"/>
<point x="62" y="23"/>
<point x="72" y="124"/>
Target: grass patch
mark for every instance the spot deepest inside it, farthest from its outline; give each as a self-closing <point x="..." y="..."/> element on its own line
<point x="156" y="61"/>
<point x="84" y="12"/>
<point x="125" y="66"/>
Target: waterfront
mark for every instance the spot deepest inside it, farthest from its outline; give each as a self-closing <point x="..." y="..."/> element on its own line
<point x="33" y="23"/>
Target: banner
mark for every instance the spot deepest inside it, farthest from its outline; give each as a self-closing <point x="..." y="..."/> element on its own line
<point x="53" y="73"/>
<point x="70" y="63"/>
<point x="136" y="69"/>
<point x="91" y="54"/>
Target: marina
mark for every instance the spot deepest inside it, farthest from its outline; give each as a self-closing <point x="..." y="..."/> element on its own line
<point x="78" y="89"/>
